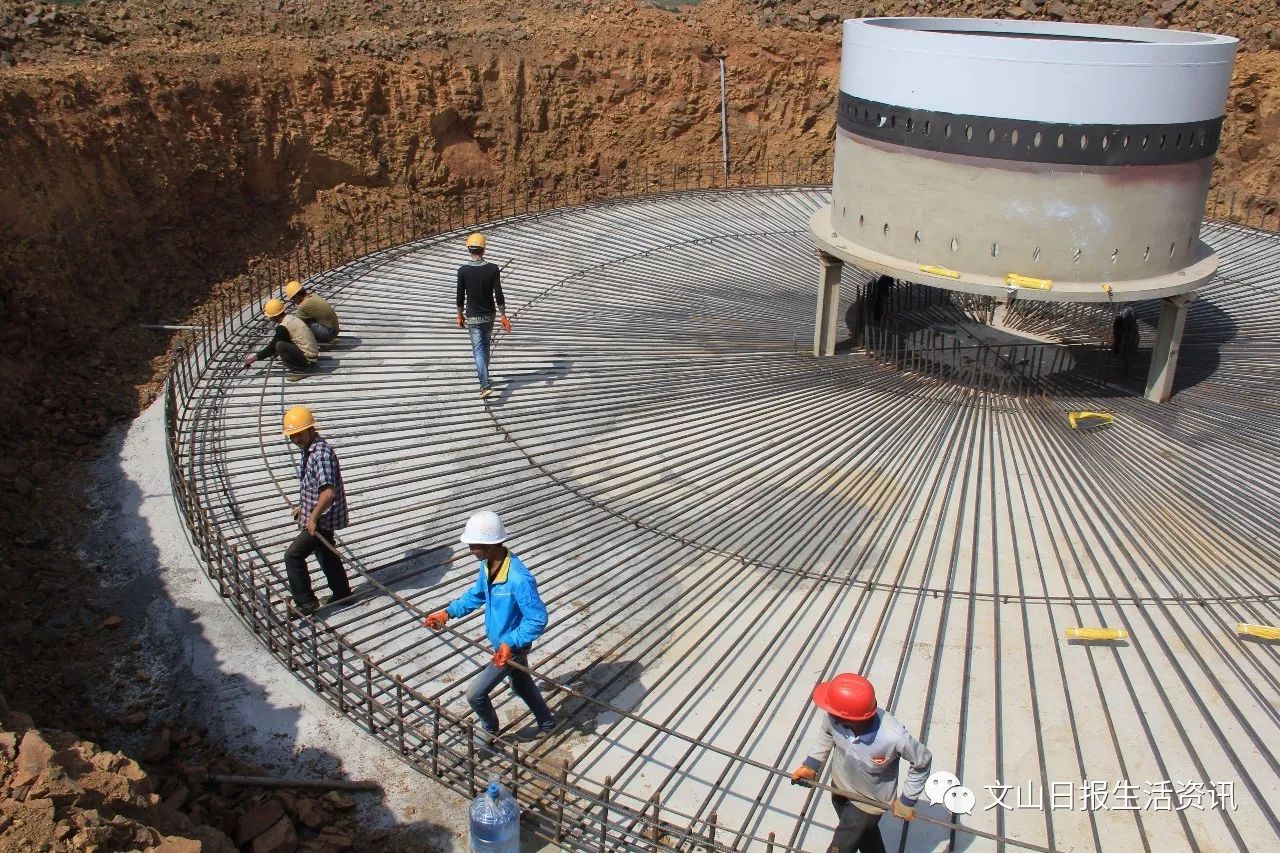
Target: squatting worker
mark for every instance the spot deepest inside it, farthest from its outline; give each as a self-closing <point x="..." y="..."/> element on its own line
<point x="514" y="617"/>
<point x="318" y="314"/>
<point x="293" y="341"/>
<point x="868" y="743"/>
<point x="479" y="299"/>
<point x="322" y="509"/>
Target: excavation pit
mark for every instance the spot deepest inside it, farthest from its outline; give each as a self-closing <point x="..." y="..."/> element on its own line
<point x="717" y="521"/>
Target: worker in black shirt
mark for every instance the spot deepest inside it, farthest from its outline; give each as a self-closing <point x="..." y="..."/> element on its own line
<point x="479" y="299"/>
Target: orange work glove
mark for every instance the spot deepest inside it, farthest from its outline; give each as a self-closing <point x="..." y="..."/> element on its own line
<point x="803" y="775"/>
<point x="502" y="655"/>
<point x="436" y="620"/>
<point x="462" y="321"/>
<point x="506" y="324"/>
<point x="903" y="811"/>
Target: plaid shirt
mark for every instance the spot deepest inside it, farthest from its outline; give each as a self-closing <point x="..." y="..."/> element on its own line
<point x="319" y="469"/>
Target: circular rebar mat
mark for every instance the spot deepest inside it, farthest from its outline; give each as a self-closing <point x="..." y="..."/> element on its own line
<point x="718" y="520"/>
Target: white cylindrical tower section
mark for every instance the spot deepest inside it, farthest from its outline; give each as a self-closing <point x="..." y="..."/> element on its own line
<point x="1058" y="158"/>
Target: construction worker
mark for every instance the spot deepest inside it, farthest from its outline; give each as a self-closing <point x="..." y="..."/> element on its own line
<point x="514" y="617"/>
<point x="319" y="316"/>
<point x="868" y="743"/>
<point x="479" y="297"/>
<point x="322" y="509"/>
<point x="293" y="341"/>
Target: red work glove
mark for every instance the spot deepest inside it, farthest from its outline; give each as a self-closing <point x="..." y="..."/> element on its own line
<point x="250" y="360"/>
<point x="803" y="775"/>
<point x="502" y="655"/>
<point x="506" y="324"/>
<point x="436" y="620"/>
<point x="462" y="321"/>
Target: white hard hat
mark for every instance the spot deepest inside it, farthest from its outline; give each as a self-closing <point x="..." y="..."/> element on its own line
<point x="484" y="528"/>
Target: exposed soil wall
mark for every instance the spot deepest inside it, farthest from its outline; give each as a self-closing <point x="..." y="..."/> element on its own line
<point x="154" y="149"/>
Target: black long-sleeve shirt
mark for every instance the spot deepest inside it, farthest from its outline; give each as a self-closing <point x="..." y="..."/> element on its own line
<point x="479" y="289"/>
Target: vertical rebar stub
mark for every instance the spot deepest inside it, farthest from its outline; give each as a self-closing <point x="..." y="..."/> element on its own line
<point x="1026" y="151"/>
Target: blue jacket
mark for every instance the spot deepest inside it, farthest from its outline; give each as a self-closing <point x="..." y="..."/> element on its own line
<point x="514" y="613"/>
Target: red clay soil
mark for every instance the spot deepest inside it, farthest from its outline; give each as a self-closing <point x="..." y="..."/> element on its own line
<point x="152" y="150"/>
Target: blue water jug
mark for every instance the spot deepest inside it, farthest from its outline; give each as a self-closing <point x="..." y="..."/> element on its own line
<point x="495" y="821"/>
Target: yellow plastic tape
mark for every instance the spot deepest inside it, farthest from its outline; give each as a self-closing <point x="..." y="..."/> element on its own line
<point x="1015" y="280"/>
<point x="1089" y="420"/>
<point x="1262" y="632"/>
<point x="1097" y="634"/>
<point x="942" y="271"/>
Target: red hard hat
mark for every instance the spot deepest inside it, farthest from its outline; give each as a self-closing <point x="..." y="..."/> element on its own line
<point x="848" y="696"/>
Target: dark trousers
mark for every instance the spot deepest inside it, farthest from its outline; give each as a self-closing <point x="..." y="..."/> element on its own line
<point x="857" y="831"/>
<point x="521" y="683"/>
<point x="295" y="563"/>
<point x="291" y="355"/>
<point x="322" y="332"/>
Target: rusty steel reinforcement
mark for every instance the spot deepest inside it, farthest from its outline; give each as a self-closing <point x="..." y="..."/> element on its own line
<point x="420" y="728"/>
<point x="563" y="805"/>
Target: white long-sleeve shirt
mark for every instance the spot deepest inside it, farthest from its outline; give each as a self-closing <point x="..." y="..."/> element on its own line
<point x="868" y="764"/>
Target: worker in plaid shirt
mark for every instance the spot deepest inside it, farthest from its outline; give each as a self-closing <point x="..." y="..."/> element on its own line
<point x="323" y="510"/>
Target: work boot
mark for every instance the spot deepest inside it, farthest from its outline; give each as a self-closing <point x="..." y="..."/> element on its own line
<point x="484" y="737"/>
<point x="486" y="392"/>
<point x="335" y="599"/>
<point x="538" y="731"/>
<point x="306" y="608"/>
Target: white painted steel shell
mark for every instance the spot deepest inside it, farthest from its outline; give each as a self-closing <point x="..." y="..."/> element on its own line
<point x="1038" y="70"/>
<point x="1098" y="232"/>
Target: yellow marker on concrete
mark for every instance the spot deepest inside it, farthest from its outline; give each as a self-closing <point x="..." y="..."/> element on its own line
<point x="942" y="271"/>
<point x="1097" y="634"/>
<point x="1015" y="280"/>
<point x="1089" y="420"/>
<point x="1262" y="632"/>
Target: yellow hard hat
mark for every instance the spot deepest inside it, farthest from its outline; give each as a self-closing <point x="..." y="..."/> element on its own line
<point x="475" y="241"/>
<point x="291" y="289"/>
<point x="273" y="308"/>
<point x="297" y="419"/>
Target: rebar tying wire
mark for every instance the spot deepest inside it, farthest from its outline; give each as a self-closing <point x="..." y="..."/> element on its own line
<point x="1182" y="593"/>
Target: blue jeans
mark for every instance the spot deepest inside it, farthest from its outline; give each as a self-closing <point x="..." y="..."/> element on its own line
<point x="481" y="336"/>
<point x="521" y="683"/>
<point x="322" y="332"/>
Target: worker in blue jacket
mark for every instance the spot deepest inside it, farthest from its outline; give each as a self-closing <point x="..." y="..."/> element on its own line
<point x="514" y="617"/>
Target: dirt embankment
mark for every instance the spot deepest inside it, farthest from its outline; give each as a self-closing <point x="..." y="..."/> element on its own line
<point x="142" y="175"/>
<point x="59" y="793"/>
<point x="153" y="148"/>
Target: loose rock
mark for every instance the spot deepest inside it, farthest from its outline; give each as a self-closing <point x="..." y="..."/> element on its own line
<point x="258" y="821"/>
<point x="279" y="838"/>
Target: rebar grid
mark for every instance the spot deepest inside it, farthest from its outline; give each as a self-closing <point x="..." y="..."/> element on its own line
<point x="717" y="521"/>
